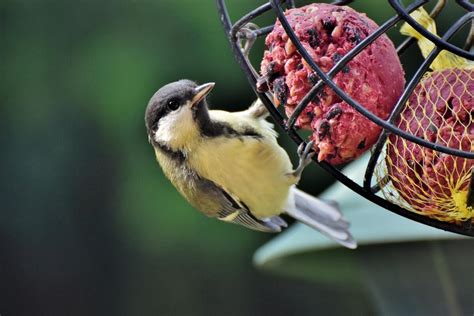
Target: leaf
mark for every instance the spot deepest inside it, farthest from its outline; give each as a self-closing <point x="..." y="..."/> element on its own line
<point x="370" y="224"/>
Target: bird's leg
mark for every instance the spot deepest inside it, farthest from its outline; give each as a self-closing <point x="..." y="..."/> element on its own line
<point x="248" y="36"/>
<point x="305" y="154"/>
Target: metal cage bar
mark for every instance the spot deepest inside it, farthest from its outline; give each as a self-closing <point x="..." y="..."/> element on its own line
<point x="401" y="103"/>
<point x="436" y="40"/>
<point x="231" y="31"/>
<point x="338" y="66"/>
<point x="377" y="120"/>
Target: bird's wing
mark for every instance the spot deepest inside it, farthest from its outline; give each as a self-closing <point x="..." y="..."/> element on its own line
<point x="242" y="217"/>
<point x="235" y="211"/>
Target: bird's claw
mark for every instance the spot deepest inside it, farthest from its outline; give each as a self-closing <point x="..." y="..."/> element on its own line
<point x="306" y="153"/>
<point x="247" y="37"/>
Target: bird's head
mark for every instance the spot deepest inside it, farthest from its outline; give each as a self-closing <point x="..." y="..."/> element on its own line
<point x="172" y="115"/>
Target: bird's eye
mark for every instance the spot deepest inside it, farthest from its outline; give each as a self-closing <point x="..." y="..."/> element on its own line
<point x="173" y="104"/>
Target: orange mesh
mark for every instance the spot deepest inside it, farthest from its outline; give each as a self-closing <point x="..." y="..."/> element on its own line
<point x="441" y="110"/>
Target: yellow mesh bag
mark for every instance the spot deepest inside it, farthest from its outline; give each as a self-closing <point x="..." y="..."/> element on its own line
<point x="440" y="110"/>
<point x="429" y="182"/>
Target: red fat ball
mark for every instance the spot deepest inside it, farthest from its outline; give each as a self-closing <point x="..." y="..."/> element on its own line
<point x="374" y="78"/>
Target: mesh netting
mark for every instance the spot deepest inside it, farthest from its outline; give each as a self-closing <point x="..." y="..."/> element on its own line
<point x="411" y="178"/>
<point x="423" y="180"/>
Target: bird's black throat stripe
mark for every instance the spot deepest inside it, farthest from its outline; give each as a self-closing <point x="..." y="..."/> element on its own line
<point x="210" y="128"/>
<point x="176" y="155"/>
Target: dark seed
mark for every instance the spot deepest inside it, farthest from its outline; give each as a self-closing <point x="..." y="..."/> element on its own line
<point x="334" y="112"/>
<point x="330" y="156"/>
<point x="323" y="130"/>
<point x="354" y="34"/>
<point x="361" y="145"/>
<point x="313" y="78"/>
<point x="433" y="128"/>
<point x="271" y="68"/>
<point x="272" y="71"/>
<point x="329" y="24"/>
<point x="316" y="99"/>
<point x="262" y="84"/>
<point x="313" y="38"/>
<point x="321" y="94"/>
<point x="299" y="66"/>
<point x="337" y="57"/>
<point x="280" y="90"/>
<point x="355" y="37"/>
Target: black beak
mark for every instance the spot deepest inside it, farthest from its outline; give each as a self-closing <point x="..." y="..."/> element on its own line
<point x="200" y="92"/>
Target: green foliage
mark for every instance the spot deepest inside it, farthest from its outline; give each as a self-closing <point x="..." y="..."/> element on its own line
<point x="89" y="224"/>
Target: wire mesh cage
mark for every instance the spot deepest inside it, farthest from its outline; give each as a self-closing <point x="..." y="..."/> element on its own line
<point x="410" y="140"/>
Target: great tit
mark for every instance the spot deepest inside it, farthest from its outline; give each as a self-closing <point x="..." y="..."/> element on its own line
<point x="229" y="165"/>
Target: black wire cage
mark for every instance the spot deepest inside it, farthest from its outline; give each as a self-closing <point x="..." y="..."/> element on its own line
<point x="241" y="39"/>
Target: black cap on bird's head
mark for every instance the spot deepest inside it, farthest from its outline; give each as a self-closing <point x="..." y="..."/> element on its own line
<point x="173" y="97"/>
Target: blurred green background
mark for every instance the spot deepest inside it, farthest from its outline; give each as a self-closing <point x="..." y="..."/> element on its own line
<point x="88" y="223"/>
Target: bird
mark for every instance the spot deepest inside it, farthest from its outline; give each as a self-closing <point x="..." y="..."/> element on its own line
<point x="229" y="165"/>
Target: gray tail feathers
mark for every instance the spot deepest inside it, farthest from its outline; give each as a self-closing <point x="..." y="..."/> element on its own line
<point x="322" y="216"/>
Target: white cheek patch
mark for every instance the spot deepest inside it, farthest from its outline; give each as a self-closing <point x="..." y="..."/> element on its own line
<point x="175" y="127"/>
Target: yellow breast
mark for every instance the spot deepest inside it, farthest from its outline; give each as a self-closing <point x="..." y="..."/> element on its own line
<point x="253" y="169"/>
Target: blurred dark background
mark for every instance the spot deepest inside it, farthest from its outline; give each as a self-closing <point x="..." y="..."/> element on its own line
<point x="88" y="223"/>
